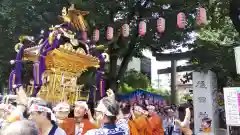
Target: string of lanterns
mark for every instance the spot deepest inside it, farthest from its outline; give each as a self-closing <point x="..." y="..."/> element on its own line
<point x="201" y="19"/>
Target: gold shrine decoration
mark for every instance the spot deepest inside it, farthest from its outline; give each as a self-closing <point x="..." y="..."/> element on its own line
<point x="75" y="17"/>
<point x="56" y="89"/>
<point x="65" y="60"/>
<point x="58" y="60"/>
<point x="64" y="63"/>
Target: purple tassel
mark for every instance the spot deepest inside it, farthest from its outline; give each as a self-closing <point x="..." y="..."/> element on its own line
<point x="100" y="80"/>
<point x="11" y="80"/>
<point x="36" y="73"/>
<point x="18" y="66"/>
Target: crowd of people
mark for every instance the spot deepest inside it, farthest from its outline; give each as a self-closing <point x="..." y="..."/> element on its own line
<point x="109" y="117"/>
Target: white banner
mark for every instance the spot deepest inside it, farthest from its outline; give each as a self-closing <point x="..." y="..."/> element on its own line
<point x="232" y="105"/>
<point x="204" y="93"/>
<point x="237" y="58"/>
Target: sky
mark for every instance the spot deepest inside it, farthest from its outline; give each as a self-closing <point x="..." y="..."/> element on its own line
<point x="155" y="65"/>
<point x="161" y="65"/>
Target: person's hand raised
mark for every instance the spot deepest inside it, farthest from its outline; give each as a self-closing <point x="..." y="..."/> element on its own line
<point x="110" y="94"/>
<point x="21" y="96"/>
<point x="185" y="124"/>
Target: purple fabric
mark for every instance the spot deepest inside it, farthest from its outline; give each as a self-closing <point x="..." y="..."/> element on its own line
<point x="41" y="60"/>
<point x="100" y="80"/>
<point x="86" y="46"/>
<point x="18" y="65"/>
<point x="98" y="77"/>
<point x="42" y="65"/>
<point x="52" y="47"/>
<point x="42" y="57"/>
<point x="11" y="80"/>
<point x="36" y="76"/>
<point x="45" y="48"/>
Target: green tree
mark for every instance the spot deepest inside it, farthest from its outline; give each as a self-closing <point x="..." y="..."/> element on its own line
<point x="133" y="80"/>
<point x="185" y="97"/>
<point x="136" y="79"/>
<point x="165" y="93"/>
<point x="125" y="89"/>
<point x="23" y="17"/>
<point x="29" y="17"/>
<point x="213" y="48"/>
<point x="234" y="13"/>
<point x="114" y="13"/>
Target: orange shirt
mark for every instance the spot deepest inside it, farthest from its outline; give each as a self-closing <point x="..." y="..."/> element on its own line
<point x="207" y="130"/>
<point x="142" y="125"/>
<point x="156" y="125"/>
<point x="132" y="128"/>
<point x="69" y="125"/>
<point x="87" y="126"/>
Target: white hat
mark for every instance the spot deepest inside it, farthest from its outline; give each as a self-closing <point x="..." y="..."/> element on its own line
<point x="102" y="106"/>
<point x="62" y="107"/>
<point x="151" y="107"/>
<point x="38" y="108"/>
<point x="82" y="104"/>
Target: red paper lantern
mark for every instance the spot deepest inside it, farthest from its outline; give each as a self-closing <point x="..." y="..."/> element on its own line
<point x="109" y="33"/>
<point x="125" y="30"/>
<point x="181" y="20"/>
<point x="95" y="35"/>
<point x="142" y="28"/>
<point x="201" y="16"/>
<point x="161" y="25"/>
<point x="84" y="35"/>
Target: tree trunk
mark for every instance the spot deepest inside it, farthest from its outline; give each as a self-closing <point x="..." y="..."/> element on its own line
<point x="112" y="76"/>
<point x="234" y="13"/>
<point x="125" y="62"/>
<point x="115" y="77"/>
<point x="113" y="73"/>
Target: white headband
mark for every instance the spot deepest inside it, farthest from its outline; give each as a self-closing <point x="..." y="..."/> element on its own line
<point x="138" y="109"/>
<point x="38" y="108"/>
<point x="82" y="104"/>
<point x="102" y="108"/>
<point x="151" y="107"/>
<point x="62" y="107"/>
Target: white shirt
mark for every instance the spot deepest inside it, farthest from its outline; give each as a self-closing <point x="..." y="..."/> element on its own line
<point x="60" y="131"/>
<point x="170" y="121"/>
<point x="1" y="123"/>
<point x="165" y="124"/>
<point x="123" y="123"/>
<point x="113" y="130"/>
<point x="176" y="130"/>
<point x="206" y="133"/>
<point x="79" y="129"/>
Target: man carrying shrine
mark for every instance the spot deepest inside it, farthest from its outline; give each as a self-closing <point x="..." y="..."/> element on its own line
<point x="140" y="121"/>
<point x="155" y="121"/>
<point x="62" y="111"/>
<point x="81" y="112"/>
<point x="106" y="115"/>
